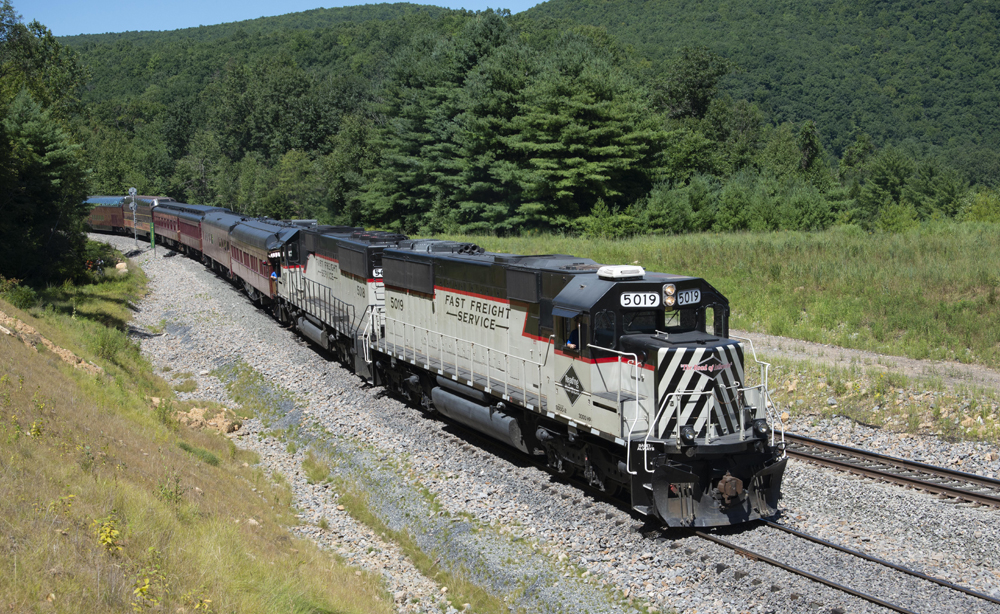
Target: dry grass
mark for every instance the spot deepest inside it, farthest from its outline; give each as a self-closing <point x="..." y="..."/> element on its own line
<point x="877" y="397"/>
<point x="104" y="511"/>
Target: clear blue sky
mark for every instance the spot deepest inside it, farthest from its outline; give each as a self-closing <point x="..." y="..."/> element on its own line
<point x="69" y="17"/>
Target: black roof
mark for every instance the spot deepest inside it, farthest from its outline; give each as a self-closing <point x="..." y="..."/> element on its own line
<point x="264" y="233"/>
<point x="223" y="219"/>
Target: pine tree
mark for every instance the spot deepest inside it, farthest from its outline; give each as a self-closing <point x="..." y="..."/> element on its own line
<point x="585" y="133"/>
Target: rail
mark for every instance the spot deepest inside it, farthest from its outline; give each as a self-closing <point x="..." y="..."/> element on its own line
<point x="755" y="556"/>
<point x="372" y="320"/>
<point x="936" y="480"/>
<point x="392" y="334"/>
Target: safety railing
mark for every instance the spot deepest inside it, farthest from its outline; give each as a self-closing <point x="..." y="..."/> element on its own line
<point x="739" y="393"/>
<point x="764" y="394"/>
<point x="370" y="328"/>
<point x="396" y="339"/>
<point x="319" y="300"/>
<point x="634" y="376"/>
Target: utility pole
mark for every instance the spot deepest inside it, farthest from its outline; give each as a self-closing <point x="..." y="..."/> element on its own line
<point x="135" y="231"/>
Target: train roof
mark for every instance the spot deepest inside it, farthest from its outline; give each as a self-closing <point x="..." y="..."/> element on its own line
<point x="185" y="211"/>
<point x="222" y="218"/>
<point x="264" y="233"/>
<point x="427" y="249"/>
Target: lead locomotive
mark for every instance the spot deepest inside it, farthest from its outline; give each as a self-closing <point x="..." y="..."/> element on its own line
<point x="625" y="377"/>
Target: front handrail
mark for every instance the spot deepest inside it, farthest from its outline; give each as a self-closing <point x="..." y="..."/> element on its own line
<point x="770" y="407"/>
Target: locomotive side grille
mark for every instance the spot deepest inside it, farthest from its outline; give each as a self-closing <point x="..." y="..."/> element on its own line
<point x="704" y="381"/>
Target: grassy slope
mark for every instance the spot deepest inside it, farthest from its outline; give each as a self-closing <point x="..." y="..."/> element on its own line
<point x="103" y="511"/>
<point x="929" y="293"/>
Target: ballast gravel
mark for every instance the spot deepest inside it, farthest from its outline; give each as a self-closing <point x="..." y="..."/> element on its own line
<point x="521" y="533"/>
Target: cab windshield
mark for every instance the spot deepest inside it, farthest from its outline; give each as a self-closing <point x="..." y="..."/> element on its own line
<point x="684" y="321"/>
<point x="643" y="322"/>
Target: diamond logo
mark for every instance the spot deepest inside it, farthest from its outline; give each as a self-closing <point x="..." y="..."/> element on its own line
<point x="571" y="384"/>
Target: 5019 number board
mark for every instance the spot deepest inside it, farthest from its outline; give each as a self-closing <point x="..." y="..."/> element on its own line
<point x="640" y="299"/>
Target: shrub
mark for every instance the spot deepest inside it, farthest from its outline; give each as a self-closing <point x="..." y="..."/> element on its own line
<point x="20" y="296"/>
<point x="982" y="206"/>
<point x="603" y="223"/>
<point x="201" y="453"/>
<point x="111" y="344"/>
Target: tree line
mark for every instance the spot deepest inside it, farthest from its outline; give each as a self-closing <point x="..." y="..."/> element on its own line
<point x="449" y="121"/>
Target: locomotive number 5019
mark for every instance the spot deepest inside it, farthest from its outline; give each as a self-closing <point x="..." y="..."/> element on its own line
<point x="640" y="299"/>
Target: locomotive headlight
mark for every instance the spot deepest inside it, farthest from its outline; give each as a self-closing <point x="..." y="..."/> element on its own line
<point x="669" y="300"/>
<point x="761" y="427"/>
<point x="688" y="434"/>
<point x="669" y="290"/>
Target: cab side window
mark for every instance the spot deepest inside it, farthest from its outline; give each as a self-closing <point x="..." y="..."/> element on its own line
<point x="604" y="329"/>
<point x="572" y="334"/>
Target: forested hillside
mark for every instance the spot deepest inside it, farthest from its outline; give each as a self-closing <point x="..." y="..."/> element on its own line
<point x="306" y="20"/>
<point x="922" y="73"/>
<point x="430" y="120"/>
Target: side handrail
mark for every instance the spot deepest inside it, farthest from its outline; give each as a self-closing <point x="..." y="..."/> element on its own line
<point x="455" y="341"/>
<point x="635" y="378"/>
<point x="368" y="320"/>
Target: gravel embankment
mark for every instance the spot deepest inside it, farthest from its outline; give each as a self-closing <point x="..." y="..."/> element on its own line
<point x="518" y="532"/>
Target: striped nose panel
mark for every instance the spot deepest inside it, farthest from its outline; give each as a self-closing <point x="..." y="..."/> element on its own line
<point x="705" y="381"/>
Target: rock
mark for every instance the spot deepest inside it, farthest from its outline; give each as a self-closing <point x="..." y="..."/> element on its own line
<point x="253" y="523"/>
<point x="832" y="402"/>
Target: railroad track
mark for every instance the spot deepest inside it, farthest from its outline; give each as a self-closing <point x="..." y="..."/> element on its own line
<point x="866" y="596"/>
<point x="936" y="480"/>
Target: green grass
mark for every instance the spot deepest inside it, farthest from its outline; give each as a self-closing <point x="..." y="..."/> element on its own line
<point x="871" y="395"/>
<point x="317" y="471"/>
<point x="460" y="589"/>
<point x="200" y="453"/>
<point x="110" y="508"/>
<point x="187" y="385"/>
<point x="930" y="293"/>
<point x="257" y="397"/>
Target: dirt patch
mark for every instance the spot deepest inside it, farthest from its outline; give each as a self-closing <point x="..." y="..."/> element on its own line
<point x="223" y="421"/>
<point x="951" y="374"/>
<point x="32" y="338"/>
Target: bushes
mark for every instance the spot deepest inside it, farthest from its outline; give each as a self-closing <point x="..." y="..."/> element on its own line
<point x="114" y="346"/>
<point x="19" y="296"/>
<point x="747" y="201"/>
<point x="981" y="206"/>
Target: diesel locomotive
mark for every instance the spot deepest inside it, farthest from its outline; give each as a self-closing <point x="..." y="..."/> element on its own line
<point x="627" y="378"/>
